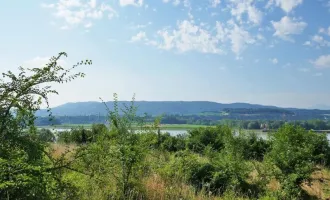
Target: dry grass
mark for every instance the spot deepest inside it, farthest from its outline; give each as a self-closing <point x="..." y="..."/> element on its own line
<point x="58" y="150"/>
<point x="158" y="189"/>
<point x="273" y="185"/>
<point x="320" y="185"/>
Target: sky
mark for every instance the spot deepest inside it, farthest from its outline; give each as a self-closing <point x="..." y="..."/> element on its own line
<point x="270" y="52"/>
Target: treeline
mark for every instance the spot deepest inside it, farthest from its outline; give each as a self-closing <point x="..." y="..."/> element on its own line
<point x="316" y="124"/>
<point x="258" y="111"/>
<point x="264" y="124"/>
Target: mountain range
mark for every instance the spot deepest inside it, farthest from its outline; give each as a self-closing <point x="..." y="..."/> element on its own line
<point x="151" y="107"/>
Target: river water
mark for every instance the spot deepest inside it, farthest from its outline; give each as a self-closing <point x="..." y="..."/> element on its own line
<point x="174" y="132"/>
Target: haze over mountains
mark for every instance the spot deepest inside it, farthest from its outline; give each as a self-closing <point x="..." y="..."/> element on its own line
<point x="151" y="107"/>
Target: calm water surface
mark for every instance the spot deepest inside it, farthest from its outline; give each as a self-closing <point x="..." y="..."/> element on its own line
<point x="174" y="132"/>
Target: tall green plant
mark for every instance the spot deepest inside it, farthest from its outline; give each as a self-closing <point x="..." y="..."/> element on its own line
<point x="27" y="171"/>
<point x="292" y="154"/>
<point x="120" y="152"/>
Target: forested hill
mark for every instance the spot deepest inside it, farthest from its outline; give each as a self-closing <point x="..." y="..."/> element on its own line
<point x="150" y="107"/>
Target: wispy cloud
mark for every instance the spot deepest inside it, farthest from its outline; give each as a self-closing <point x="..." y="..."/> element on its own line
<point x="131" y="2"/>
<point x="286" y="5"/>
<point x="322" y="62"/>
<point x="274" y="61"/>
<point x="41" y="61"/>
<point x="76" y="12"/>
<point x="287" y="27"/>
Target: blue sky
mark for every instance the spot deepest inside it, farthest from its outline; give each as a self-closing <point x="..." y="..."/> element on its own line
<point x="273" y="52"/>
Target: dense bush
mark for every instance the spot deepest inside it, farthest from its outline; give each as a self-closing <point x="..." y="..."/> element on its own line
<point x="173" y="143"/>
<point x="253" y="147"/>
<point x="46" y="135"/>
<point x="294" y="153"/>
<point x="214" y="137"/>
<point x="82" y="135"/>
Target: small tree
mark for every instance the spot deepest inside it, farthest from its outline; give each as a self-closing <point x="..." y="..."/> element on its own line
<point x="27" y="171"/>
<point x="118" y="153"/>
<point x="292" y="153"/>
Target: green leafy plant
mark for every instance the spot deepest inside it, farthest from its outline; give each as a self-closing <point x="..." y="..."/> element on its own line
<point x="27" y="170"/>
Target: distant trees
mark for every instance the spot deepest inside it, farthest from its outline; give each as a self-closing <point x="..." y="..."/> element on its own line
<point x="253" y="125"/>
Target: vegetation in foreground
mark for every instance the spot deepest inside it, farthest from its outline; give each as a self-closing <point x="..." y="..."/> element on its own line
<point x="117" y="162"/>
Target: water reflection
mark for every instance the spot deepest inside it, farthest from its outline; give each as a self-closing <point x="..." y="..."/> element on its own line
<point x="174" y="132"/>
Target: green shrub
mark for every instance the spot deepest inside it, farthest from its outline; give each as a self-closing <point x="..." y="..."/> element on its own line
<point x="214" y="137"/>
<point x="253" y="147"/>
<point x="173" y="143"/>
<point x="46" y="135"/>
<point x="294" y="153"/>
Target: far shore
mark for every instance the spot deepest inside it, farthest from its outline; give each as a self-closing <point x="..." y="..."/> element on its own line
<point x="163" y="126"/>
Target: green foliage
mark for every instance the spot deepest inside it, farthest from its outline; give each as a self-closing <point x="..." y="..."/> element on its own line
<point x="46" y="135"/>
<point x="214" y="137"/>
<point x="27" y="171"/>
<point x="173" y="143"/>
<point x="117" y="153"/>
<point x="253" y="147"/>
<point x="294" y="152"/>
<point x="253" y="125"/>
<point x="82" y="135"/>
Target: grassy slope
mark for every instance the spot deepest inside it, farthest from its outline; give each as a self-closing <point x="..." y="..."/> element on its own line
<point x="158" y="189"/>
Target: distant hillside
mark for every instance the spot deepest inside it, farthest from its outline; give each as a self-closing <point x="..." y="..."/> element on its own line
<point x="150" y="107"/>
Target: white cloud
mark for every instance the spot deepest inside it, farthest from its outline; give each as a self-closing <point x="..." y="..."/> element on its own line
<point x="131" y="2"/>
<point x="39" y="61"/>
<point x="88" y="25"/>
<point x="286" y="5"/>
<point x="322" y="62"/>
<point x="44" y="5"/>
<point x="320" y="41"/>
<point x="239" y="39"/>
<point x="214" y="14"/>
<point x="215" y="3"/>
<point x="139" y="26"/>
<point x="307" y="43"/>
<point x="138" y="37"/>
<point x="287" y="27"/>
<point x="92" y="3"/>
<point x="189" y="37"/>
<point x="176" y="2"/>
<point x="77" y="12"/>
<point x="274" y="61"/>
<point x="240" y="7"/>
<point x="142" y="36"/>
<point x="186" y="3"/>
<point x="325" y="31"/>
<point x="322" y="30"/>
